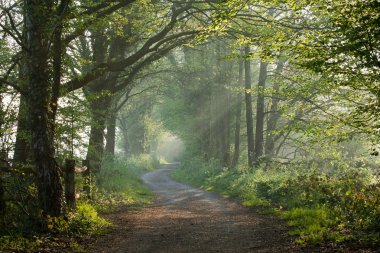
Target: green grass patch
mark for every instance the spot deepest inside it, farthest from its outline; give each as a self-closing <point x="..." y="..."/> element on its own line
<point x="335" y="206"/>
<point x="311" y="225"/>
<point x="119" y="183"/>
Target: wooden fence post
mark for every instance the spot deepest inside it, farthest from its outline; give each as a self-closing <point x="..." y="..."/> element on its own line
<point x="70" y="183"/>
<point x="87" y="178"/>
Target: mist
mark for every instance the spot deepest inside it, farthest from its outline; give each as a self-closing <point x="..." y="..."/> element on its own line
<point x="170" y="148"/>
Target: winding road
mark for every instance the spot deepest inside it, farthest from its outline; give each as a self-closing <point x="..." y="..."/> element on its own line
<point x="186" y="219"/>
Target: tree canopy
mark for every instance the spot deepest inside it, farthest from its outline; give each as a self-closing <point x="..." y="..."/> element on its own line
<point x="250" y="86"/>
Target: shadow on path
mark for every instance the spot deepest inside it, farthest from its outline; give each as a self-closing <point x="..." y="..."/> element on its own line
<point x="185" y="219"/>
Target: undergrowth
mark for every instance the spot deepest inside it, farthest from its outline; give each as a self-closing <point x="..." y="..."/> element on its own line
<point x="117" y="184"/>
<point x="339" y="206"/>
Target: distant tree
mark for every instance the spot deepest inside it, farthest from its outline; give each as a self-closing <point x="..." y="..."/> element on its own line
<point x="273" y="113"/>
<point x="260" y="111"/>
<point x="248" y="107"/>
<point x="239" y="105"/>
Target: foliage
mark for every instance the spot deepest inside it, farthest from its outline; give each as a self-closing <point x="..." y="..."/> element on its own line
<point x="119" y="183"/>
<point x="138" y="126"/>
<point x="84" y="221"/>
<point x="60" y="235"/>
<point x="198" y="103"/>
<point x="338" y="206"/>
<point x="43" y="244"/>
<point x="22" y="213"/>
<point x="324" y="100"/>
<point x="71" y="128"/>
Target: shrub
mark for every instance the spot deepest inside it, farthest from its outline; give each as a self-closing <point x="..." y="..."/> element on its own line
<point x="84" y="221"/>
<point x="338" y="205"/>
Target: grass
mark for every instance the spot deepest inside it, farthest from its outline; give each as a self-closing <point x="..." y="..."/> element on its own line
<point x="119" y="183"/>
<point x="319" y="207"/>
<point x="311" y="225"/>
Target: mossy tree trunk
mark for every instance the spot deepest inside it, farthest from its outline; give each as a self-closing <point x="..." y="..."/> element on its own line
<point x="38" y="19"/>
<point x="23" y="135"/>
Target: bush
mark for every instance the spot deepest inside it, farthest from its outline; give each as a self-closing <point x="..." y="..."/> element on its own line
<point x="84" y="221"/>
<point x="118" y="183"/>
<point x="344" y="205"/>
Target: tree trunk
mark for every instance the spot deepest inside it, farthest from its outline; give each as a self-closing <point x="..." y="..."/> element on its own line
<point x="2" y="200"/>
<point x="57" y="69"/>
<point x="23" y="135"/>
<point x="3" y="164"/>
<point x="260" y="111"/>
<point x="226" y="132"/>
<point x="100" y="103"/>
<point x="248" y="109"/>
<point x="2" y="114"/>
<point x="124" y="132"/>
<point x="222" y="108"/>
<point x="227" y="70"/>
<point x="50" y="192"/>
<point x="97" y="104"/>
<point x="22" y="145"/>
<point x="239" y="104"/>
<point x="111" y="134"/>
<point x="58" y="53"/>
<point x="274" y="114"/>
<point x="99" y="108"/>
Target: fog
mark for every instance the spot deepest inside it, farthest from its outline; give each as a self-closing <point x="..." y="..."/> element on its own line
<point x="170" y="148"/>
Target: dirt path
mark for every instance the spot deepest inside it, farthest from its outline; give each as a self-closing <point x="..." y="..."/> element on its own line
<point x="185" y="219"/>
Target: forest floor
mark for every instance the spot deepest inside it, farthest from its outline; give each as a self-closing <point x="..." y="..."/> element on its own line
<point x="186" y="219"/>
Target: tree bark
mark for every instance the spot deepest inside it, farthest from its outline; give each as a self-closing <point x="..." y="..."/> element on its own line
<point x="23" y="134"/>
<point x="239" y="104"/>
<point x="260" y="111"/>
<point x="248" y="109"/>
<point x="50" y="192"/>
<point x="22" y="145"/>
<point x="57" y="72"/>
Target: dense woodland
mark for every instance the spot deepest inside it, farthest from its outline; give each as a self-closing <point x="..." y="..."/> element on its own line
<point x="274" y="103"/>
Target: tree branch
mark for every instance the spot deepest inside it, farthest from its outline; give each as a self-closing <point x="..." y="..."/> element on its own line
<point x="99" y="15"/>
<point x="116" y="66"/>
